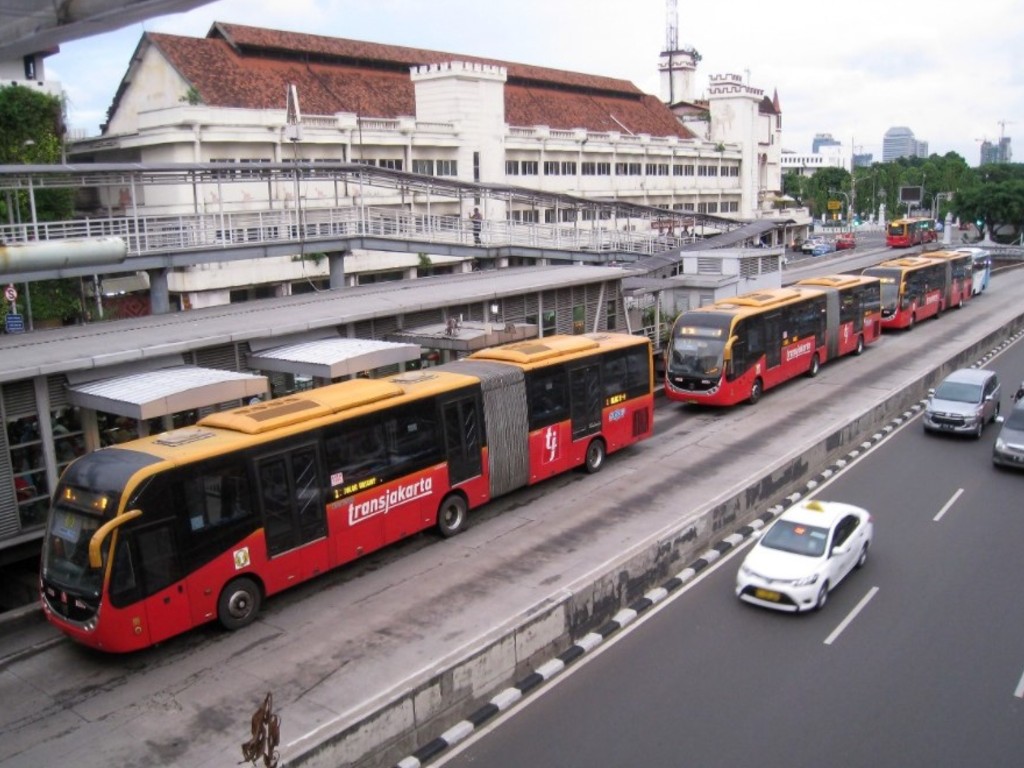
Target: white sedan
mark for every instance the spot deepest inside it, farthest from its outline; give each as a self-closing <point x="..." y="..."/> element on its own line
<point x="804" y="555"/>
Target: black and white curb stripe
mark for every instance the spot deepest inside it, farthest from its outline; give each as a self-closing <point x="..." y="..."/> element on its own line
<point x="504" y="700"/>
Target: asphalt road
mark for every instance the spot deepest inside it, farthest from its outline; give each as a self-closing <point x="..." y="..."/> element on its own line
<point x="928" y="673"/>
<point x="333" y="649"/>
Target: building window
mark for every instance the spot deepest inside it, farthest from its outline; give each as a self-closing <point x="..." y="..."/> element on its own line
<point x="702" y="170"/>
<point x="447" y="168"/>
<point x="628" y="169"/>
<point x="611" y="319"/>
<point x="511" y="167"/>
<point x="424" y="167"/>
<point x="688" y="169"/>
<point x="549" y="216"/>
<point x="604" y="169"/>
<point x="247" y="169"/>
<point x="712" y="207"/>
<point x="657" y="169"/>
<point x="588" y="214"/>
<point x="568" y="167"/>
<point x="530" y="167"/>
<point x="548" y="322"/>
<point x="567" y="214"/>
<point x="588" y="169"/>
<point x="551" y="167"/>
<point x="394" y="165"/>
<point x="702" y="207"/>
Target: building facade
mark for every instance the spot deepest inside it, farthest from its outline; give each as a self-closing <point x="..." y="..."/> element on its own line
<point x="899" y="141"/>
<point x="225" y="99"/>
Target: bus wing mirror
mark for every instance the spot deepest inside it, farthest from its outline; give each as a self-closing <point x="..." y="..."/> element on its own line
<point x="95" y="558"/>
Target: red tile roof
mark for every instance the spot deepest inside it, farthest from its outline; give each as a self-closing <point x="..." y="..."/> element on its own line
<point x="250" y="67"/>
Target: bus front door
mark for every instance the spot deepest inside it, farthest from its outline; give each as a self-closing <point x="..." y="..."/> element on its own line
<point x="586" y="400"/>
<point x="293" y="507"/>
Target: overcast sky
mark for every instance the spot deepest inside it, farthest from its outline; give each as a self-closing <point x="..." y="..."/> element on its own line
<point x="951" y="73"/>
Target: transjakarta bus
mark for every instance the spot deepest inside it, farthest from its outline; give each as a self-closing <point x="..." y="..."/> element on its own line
<point x="917" y="230"/>
<point x="736" y="348"/>
<point x="913" y="288"/>
<point x="152" y="537"/>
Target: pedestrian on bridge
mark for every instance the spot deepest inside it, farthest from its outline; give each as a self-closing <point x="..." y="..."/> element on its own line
<point x="478" y="222"/>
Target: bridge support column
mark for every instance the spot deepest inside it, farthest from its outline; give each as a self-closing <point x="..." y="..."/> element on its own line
<point x="159" y="296"/>
<point x="336" y="265"/>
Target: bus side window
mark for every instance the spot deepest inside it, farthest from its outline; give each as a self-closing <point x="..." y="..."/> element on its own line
<point x="216" y="496"/>
<point x="158" y="554"/>
<point x="548" y="396"/>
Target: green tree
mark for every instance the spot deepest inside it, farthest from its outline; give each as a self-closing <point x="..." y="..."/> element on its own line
<point x="995" y="198"/>
<point x="32" y="133"/>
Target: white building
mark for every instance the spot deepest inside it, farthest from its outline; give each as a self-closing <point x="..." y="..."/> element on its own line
<point x="222" y="98"/>
<point x="827" y="156"/>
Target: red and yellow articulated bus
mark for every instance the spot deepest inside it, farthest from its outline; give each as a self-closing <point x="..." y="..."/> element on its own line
<point x="918" y="287"/>
<point x="150" y="538"/>
<point x="735" y="349"/>
<point x="916" y="230"/>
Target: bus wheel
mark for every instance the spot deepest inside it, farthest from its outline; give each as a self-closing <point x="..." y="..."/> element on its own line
<point x="451" y="515"/>
<point x="756" y="390"/>
<point x="595" y="456"/>
<point x="860" y="346"/>
<point x="812" y="371"/>
<point x="239" y="603"/>
<point x="913" y="319"/>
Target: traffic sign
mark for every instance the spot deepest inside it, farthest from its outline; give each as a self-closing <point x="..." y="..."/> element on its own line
<point x="834" y="205"/>
<point x="14" y="323"/>
<point x="11" y="293"/>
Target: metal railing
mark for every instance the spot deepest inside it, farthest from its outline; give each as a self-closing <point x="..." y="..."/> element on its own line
<point x="157" y="234"/>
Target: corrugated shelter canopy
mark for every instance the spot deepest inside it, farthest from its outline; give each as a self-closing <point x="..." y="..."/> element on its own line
<point x="331" y="358"/>
<point x="151" y="394"/>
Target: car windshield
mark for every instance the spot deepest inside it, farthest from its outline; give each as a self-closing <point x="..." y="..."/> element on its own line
<point x="1016" y="419"/>
<point x="797" y="538"/>
<point x="958" y="392"/>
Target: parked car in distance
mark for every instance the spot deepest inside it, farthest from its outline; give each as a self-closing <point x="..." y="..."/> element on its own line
<point x="845" y="241"/>
<point x="804" y="554"/>
<point x="1009" y="448"/>
<point x="822" y="248"/>
<point x="963" y="403"/>
<point x="810" y="243"/>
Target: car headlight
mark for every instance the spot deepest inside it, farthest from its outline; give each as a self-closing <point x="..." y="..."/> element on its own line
<point x="806" y="580"/>
<point x="1000" y="444"/>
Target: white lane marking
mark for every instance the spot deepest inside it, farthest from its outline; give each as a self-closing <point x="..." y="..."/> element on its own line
<point x="949" y="504"/>
<point x="1019" y="691"/>
<point x="851" y="616"/>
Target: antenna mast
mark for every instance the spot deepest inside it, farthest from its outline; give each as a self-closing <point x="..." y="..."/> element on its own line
<point x="671" y="26"/>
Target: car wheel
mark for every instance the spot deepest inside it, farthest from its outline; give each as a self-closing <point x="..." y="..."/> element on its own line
<point x="860" y="346"/>
<point x="995" y="413"/>
<point x="595" y="456"/>
<point x="822" y="597"/>
<point x="863" y="556"/>
<point x="755" y="392"/>
<point x="451" y="515"/>
<point x="239" y="603"/>
<point x="981" y="428"/>
<point x="812" y="371"/>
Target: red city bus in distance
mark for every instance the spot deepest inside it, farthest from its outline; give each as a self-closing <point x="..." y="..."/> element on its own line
<point x="913" y="288"/>
<point x="735" y="349"/>
<point x="959" y="276"/>
<point x="916" y="230"/>
<point x="150" y="538"/>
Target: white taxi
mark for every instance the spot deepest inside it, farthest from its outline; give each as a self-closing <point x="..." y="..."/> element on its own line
<point x="804" y="554"/>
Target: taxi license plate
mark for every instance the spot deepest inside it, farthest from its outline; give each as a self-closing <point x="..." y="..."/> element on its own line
<point x="767" y="594"/>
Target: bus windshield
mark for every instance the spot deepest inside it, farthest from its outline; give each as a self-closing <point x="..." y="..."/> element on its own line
<point x="66" y="550"/>
<point x="698" y="348"/>
<point x="889" y="288"/>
